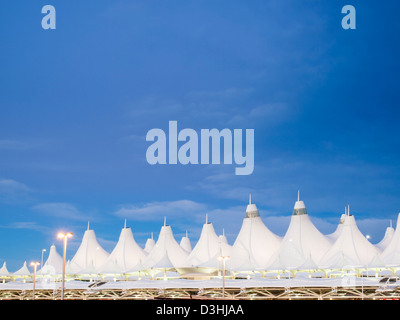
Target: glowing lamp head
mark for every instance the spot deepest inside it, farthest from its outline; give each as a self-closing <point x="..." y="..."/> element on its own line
<point x="64" y="235"/>
<point x="220" y="258"/>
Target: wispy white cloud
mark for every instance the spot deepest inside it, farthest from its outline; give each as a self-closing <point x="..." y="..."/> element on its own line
<point x="216" y="106"/>
<point x="9" y="185"/>
<point x="28" y="225"/>
<point x="12" y="191"/>
<point x="62" y="210"/>
<point x="269" y="114"/>
<point x="228" y="93"/>
<point x="154" y="211"/>
<point x="12" y="144"/>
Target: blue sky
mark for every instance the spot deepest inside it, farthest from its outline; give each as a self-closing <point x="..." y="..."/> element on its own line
<point x="76" y="104"/>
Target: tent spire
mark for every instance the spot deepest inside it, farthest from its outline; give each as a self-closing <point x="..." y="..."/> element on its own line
<point x="298" y="195"/>
<point x="165" y="221"/>
<point x="345" y="210"/>
<point x="206" y="218"/>
<point x="152" y="235"/>
<point x="250" y="198"/>
<point x="391" y="223"/>
<point x="186" y="234"/>
<point x="348" y="209"/>
<point x="223" y="232"/>
<point x="88" y="224"/>
<point x="125" y="224"/>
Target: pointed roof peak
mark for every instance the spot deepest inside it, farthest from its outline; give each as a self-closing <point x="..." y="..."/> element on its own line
<point x="251" y="210"/>
<point x="299" y="206"/>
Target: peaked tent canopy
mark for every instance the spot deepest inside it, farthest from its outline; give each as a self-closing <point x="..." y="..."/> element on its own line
<point x="185" y="243"/>
<point x="166" y="252"/>
<point x="53" y="264"/>
<point x="334" y="235"/>
<point x="23" y="271"/>
<point x="150" y="243"/>
<point x="3" y="271"/>
<point x="126" y="254"/>
<point x="208" y="247"/>
<point x="382" y="245"/>
<point x="352" y="245"/>
<point x="222" y="237"/>
<point x="302" y="240"/>
<point x="391" y="255"/>
<point x="90" y="256"/>
<point x="255" y="243"/>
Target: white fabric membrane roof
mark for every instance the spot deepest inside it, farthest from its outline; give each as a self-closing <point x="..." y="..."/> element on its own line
<point x="254" y="244"/>
<point x="302" y="241"/>
<point x="256" y="248"/>
<point x="208" y="248"/>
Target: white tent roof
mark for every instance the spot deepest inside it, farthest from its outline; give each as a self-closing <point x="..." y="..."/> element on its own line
<point x="208" y="247"/>
<point x="391" y="255"/>
<point x="53" y="264"/>
<point x="185" y="244"/>
<point x="138" y="267"/>
<point x="301" y="240"/>
<point x="23" y="271"/>
<point x="163" y="263"/>
<point x="246" y="266"/>
<point x="90" y="255"/>
<point x="150" y="243"/>
<point x="309" y="264"/>
<point x="166" y="248"/>
<point x="276" y="265"/>
<point x="340" y="261"/>
<point x="382" y="245"/>
<point x="126" y="254"/>
<point x="376" y="262"/>
<point x="4" y="271"/>
<point x="352" y="244"/>
<point x="333" y="236"/>
<point x="68" y="268"/>
<point x="255" y="243"/>
<point x="222" y="237"/>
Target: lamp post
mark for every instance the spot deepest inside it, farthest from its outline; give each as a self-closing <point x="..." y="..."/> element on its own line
<point x="223" y="259"/>
<point x="367" y="237"/>
<point x="41" y="270"/>
<point x="64" y="236"/>
<point x="34" y="265"/>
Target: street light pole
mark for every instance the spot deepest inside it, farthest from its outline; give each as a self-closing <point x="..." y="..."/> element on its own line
<point x="223" y="259"/>
<point x="362" y="284"/>
<point x="64" y="236"/>
<point x="34" y="265"/>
